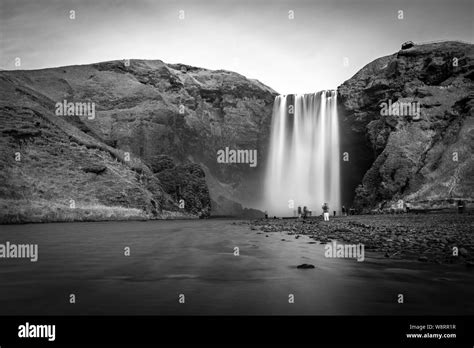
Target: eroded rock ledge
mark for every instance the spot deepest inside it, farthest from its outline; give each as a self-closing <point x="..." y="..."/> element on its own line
<point x="429" y="161"/>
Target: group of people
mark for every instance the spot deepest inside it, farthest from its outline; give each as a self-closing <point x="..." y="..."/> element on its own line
<point x="344" y="211"/>
<point x="304" y="212"/>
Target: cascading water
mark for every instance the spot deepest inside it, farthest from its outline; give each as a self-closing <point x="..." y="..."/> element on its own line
<point x="303" y="167"/>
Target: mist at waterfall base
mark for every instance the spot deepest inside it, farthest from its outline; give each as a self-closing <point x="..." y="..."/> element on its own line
<point x="303" y="167"/>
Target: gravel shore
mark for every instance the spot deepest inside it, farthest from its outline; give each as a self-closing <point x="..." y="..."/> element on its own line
<point x="423" y="237"/>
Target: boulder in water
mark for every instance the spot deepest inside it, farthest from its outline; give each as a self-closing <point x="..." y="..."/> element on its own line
<point x="305" y="266"/>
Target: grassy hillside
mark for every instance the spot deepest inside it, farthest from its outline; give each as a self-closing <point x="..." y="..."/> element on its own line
<point x="53" y="171"/>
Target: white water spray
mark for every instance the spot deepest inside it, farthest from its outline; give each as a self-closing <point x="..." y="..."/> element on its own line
<point x="303" y="167"/>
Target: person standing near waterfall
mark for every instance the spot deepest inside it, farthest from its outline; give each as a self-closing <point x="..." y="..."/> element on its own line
<point x="326" y="212"/>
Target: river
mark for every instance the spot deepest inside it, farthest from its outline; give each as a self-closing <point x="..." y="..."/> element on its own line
<point x="196" y="258"/>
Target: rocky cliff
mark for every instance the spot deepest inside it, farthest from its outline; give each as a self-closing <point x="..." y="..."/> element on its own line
<point x="150" y="146"/>
<point x="423" y="155"/>
<point x="141" y="138"/>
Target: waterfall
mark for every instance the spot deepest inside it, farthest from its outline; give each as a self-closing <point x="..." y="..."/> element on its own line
<point x="303" y="164"/>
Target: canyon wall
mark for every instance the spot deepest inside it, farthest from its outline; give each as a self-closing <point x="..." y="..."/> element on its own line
<point x="150" y="149"/>
<point x="428" y="160"/>
<point x="153" y="139"/>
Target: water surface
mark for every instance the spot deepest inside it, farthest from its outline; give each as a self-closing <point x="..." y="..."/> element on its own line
<point x="196" y="258"/>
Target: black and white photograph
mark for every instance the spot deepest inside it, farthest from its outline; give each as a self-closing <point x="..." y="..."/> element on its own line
<point x="297" y="166"/>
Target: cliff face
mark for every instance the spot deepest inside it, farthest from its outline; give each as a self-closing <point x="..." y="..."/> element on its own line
<point x="424" y="157"/>
<point x="156" y="130"/>
<point x="150" y="146"/>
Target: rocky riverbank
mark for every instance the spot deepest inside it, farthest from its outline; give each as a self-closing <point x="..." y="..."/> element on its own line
<point x="423" y="237"/>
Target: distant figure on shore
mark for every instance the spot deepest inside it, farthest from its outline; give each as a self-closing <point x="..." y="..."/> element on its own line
<point x="326" y="212"/>
<point x="334" y="213"/>
<point x="266" y="214"/>
<point x="344" y="213"/>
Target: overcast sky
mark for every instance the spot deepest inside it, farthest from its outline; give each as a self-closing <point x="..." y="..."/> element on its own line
<point x="254" y="38"/>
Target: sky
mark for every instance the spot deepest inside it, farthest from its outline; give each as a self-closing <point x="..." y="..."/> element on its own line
<point x="318" y="45"/>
